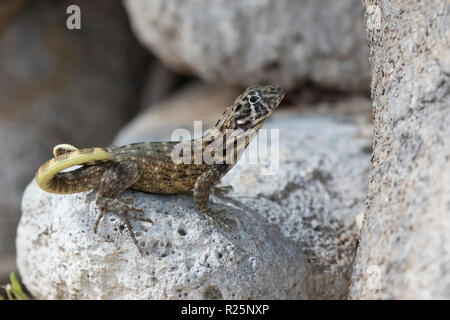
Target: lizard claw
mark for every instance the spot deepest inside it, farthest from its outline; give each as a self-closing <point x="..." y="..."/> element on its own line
<point x="128" y="200"/>
<point x="223" y="189"/>
<point x="132" y="210"/>
<point x="213" y="216"/>
<point x="129" y="203"/>
<point x="97" y="221"/>
<point x="139" y="218"/>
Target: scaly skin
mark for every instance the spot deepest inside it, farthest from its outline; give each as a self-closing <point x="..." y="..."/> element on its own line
<point x="148" y="166"/>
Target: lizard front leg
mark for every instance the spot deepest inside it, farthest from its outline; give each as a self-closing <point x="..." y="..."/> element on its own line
<point x="115" y="180"/>
<point x="203" y="185"/>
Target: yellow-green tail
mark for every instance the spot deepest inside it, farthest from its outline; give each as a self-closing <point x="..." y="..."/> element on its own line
<point x="49" y="176"/>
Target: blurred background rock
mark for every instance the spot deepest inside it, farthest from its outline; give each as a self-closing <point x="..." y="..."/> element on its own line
<point x="83" y="86"/>
<point x="287" y="42"/>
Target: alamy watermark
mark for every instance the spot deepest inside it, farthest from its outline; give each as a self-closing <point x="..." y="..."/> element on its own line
<point x="73" y="21"/>
<point x="373" y="277"/>
<point x="373" y="17"/>
<point x="227" y="147"/>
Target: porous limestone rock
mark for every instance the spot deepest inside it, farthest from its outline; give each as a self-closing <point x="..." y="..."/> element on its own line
<point x="293" y="234"/>
<point x="246" y="42"/>
<point x="404" y="251"/>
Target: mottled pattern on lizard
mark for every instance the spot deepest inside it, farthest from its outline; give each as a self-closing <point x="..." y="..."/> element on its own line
<point x="148" y="166"/>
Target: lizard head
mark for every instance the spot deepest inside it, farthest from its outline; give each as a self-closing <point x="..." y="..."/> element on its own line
<point x="246" y="115"/>
<point x="255" y="105"/>
<point x="251" y="108"/>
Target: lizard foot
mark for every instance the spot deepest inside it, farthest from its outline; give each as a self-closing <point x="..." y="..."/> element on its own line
<point x="129" y="201"/>
<point x="213" y="216"/>
<point x="123" y="210"/>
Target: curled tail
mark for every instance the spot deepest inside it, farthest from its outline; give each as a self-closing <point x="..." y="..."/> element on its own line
<point x="49" y="176"/>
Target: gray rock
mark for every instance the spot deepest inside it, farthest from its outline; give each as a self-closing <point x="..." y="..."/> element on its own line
<point x="293" y="234"/>
<point x="245" y="42"/>
<point x="404" y="251"/>
<point x="57" y="86"/>
<point x="185" y="256"/>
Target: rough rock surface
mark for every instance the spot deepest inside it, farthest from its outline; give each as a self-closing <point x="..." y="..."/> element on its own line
<point x="58" y="85"/>
<point x="186" y="258"/>
<point x="245" y="42"/>
<point x="293" y="234"/>
<point x="404" y="251"/>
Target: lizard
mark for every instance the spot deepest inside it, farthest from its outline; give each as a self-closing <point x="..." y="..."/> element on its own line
<point x="150" y="166"/>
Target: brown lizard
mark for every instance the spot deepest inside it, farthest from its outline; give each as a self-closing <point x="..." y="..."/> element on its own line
<point x="150" y="166"/>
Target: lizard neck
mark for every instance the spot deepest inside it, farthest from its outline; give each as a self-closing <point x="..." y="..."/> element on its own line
<point x="226" y="121"/>
<point x="229" y="142"/>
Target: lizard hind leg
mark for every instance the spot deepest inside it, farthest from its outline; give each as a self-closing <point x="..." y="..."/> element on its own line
<point x="115" y="180"/>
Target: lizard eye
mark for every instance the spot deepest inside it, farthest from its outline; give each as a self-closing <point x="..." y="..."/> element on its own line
<point x="254" y="99"/>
